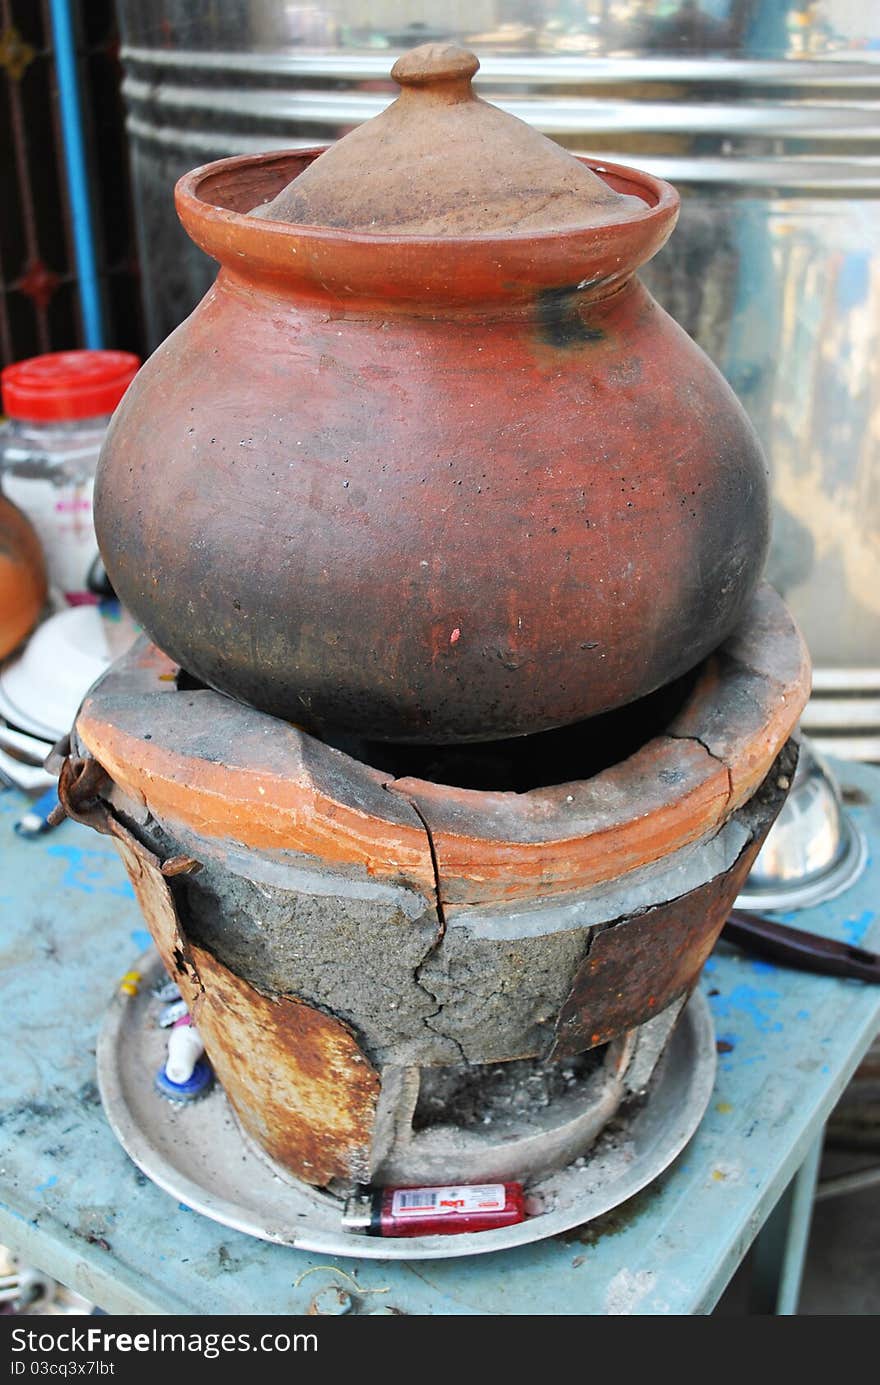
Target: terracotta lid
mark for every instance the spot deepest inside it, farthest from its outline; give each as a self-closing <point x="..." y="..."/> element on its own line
<point x="442" y="162"/>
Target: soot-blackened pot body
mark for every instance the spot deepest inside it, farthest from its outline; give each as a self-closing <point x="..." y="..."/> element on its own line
<point x="434" y="489"/>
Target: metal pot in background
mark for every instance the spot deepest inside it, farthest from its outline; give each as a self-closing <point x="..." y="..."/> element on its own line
<point x="763" y="115"/>
<point x="814" y="850"/>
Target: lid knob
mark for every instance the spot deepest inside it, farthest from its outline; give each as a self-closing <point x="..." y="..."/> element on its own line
<point x="442" y="65"/>
<point x="440" y="161"/>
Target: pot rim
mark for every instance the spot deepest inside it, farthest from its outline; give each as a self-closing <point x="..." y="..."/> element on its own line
<point x="455" y="271"/>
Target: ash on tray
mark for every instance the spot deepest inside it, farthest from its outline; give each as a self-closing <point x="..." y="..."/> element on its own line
<point x="499" y="1093"/>
<point x="607" y="1161"/>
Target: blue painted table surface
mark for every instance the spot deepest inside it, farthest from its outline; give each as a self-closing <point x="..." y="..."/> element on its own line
<point x="74" y="1205"/>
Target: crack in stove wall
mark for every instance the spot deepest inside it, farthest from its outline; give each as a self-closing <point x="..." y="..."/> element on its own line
<point x="441" y="932"/>
<point x="719" y="759"/>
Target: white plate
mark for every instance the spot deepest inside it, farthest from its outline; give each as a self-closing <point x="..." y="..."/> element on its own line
<point x="198" y="1154"/>
<point x="42" y="687"/>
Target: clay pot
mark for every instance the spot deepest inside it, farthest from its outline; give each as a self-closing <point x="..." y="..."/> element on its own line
<point x="22" y="577"/>
<point x="437" y="468"/>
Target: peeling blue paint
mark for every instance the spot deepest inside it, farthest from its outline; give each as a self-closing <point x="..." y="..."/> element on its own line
<point x="141" y="938"/>
<point x="49" y="1183"/>
<point x="10" y="1211"/>
<point x="86" y="871"/>
<point x="753" y="1001"/>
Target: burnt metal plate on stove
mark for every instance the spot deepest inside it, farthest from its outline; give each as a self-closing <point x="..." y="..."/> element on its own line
<point x="198" y="1154"/>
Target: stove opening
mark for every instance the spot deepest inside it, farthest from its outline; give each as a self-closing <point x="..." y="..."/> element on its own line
<point x="520" y="763"/>
<point x="187" y="682"/>
<point x="492" y="1096"/>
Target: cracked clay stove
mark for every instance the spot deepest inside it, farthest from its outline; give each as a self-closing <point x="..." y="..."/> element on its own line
<point x="354" y="943"/>
<point x="472" y="531"/>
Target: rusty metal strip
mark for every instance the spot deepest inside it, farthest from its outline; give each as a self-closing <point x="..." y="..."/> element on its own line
<point x="636" y="968"/>
<point x="81" y="783"/>
<point x="296" y="1078"/>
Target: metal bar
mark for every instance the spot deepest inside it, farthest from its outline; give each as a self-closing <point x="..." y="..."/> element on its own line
<point x="804" y="1189"/>
<point x="557" y="113"/>
<point x="846" y="680"/>
<point x="781" y="1246"/>
<point x="767" y="1257"/>
<point x="558" y="69"/>
<point x="846" y="713"/>
<point x="839" y="177"/>
<point x="77" y="173"/>
<point x="844" y="747"/>
<point x="854" y="1182"/>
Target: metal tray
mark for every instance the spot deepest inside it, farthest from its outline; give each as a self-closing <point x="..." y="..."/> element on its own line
<point x="199" y="1155"/>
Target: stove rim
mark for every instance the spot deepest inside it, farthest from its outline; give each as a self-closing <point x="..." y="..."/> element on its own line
<point x="310" y="798"/>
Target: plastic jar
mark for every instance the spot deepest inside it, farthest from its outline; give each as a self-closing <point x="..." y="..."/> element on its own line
<point x="58" y="407"/>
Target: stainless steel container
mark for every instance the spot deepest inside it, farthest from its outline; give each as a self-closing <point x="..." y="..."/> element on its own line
<point x="767" y="118"/>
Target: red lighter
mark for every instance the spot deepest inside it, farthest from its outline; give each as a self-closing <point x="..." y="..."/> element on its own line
<point x="443" y="1211"/>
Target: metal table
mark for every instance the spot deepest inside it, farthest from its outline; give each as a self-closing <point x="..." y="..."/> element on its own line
<point x="73" y="1204"/>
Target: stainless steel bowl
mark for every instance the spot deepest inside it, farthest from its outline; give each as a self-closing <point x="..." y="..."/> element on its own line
<point x="814" y="851"/>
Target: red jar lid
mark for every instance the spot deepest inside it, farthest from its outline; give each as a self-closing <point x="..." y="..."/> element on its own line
<point x="67" y="384"/>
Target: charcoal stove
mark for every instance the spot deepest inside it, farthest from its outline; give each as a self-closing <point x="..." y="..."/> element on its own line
<point x="209" y="1164"/>
<point x="367" y="952"/>
<point x="433" y="834"/>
